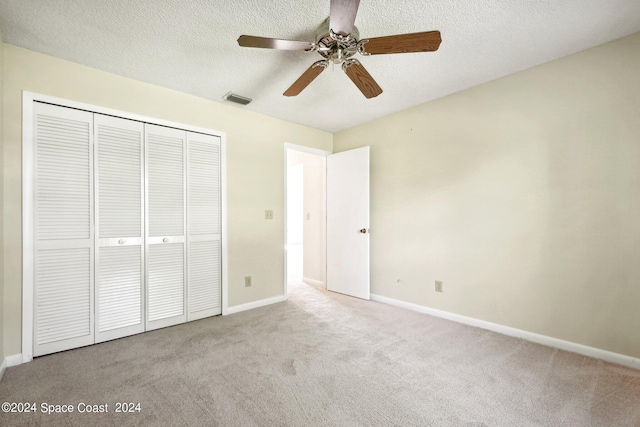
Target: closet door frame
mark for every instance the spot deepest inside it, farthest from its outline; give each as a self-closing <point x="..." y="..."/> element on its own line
<point x="28" y="205"/>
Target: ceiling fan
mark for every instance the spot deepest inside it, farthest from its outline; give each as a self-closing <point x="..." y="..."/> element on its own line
<point x="338" y="40"/>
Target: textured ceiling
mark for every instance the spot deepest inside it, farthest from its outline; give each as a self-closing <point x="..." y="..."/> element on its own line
<point x="190" y="46"/>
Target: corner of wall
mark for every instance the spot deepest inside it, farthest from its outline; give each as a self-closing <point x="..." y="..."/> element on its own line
<point x="333" y="142"/>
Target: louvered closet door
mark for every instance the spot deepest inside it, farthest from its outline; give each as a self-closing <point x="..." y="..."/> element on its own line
<point x="63" y="290"/>
<point x="203" y="207"/>
<point x="166" y="260"/>
<point x="119" y="224"/>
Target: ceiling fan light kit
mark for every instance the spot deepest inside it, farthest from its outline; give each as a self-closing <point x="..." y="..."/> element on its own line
<point x="338" y="40"/>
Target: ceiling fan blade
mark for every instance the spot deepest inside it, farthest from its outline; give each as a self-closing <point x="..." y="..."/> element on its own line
<point x="361" y="78"/>
<point x="306" y="78"/>
<point x="342" y="15"/>
<point x="427" y="41"/>
<point x="267" y="43"/>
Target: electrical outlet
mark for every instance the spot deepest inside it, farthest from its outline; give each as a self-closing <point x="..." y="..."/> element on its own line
<point x="247" y="281"/>
<point x="268" y="214"/>
<point x="438" y="286"/>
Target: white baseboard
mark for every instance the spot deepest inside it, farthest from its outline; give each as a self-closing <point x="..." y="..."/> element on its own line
<point x="14" y="360"/>
<point x="9" y="361"/>
<point x="255" y="304"/>
<point x="597" y="353"/>
<point x="313" y="282"/>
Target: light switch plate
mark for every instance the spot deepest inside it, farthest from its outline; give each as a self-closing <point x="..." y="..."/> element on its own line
<point x="268" y="214"/>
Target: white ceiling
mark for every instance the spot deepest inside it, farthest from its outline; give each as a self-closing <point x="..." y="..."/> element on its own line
<point x="190" y="46"/>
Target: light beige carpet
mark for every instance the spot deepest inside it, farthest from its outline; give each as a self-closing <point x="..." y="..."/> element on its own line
<point x="326" y="359"/>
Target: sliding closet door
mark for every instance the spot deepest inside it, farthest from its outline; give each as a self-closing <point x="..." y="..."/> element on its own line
<point x="63" y="273"/>
<point x="166" y="290"/>
<point x="119" y="224"/>
<point x="203" y="196"/>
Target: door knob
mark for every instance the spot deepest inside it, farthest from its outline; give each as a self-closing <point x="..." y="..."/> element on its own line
<point x="122" y="241"/>
<point x="364" y="230"/>
<point x="165" y="240"/>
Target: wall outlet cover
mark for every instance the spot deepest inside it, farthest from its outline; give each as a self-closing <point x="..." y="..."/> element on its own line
<point x="438" y="286"/>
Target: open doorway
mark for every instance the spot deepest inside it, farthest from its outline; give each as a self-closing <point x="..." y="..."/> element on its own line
<point x="305" y="220"/>
<point x="295" y="225"/>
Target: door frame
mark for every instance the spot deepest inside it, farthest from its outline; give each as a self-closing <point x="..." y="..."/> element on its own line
<point x="28" y="203"/>
<point x="308" y="150"/>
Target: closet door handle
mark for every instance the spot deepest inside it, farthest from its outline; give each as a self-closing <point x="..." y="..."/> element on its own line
<point x="165" y="240"/>
<point x="122" y="241"/>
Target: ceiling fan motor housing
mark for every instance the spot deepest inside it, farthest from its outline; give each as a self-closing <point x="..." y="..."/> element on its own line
<point x="335" y="47"/>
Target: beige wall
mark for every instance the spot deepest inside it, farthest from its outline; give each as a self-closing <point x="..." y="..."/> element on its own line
<point x="314" y="263"/>
<point x="522" y="195"/>
<point x="314" y="206"/>
<point x="255" y="167"/>
<point x="1" y="200"/>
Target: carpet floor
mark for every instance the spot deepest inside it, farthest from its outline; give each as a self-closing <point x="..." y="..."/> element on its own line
<point x="324" y="359"/>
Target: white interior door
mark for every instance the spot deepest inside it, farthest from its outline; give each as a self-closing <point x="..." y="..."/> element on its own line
<point x="204" y="276"/>
<point x="63" y="264"/>
<point x="166" y="254"/>
<point x="119" y="224"/>
<point x="348" y="222"/>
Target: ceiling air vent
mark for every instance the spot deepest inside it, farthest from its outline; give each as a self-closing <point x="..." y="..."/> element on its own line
<point x="232" y="97"/>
